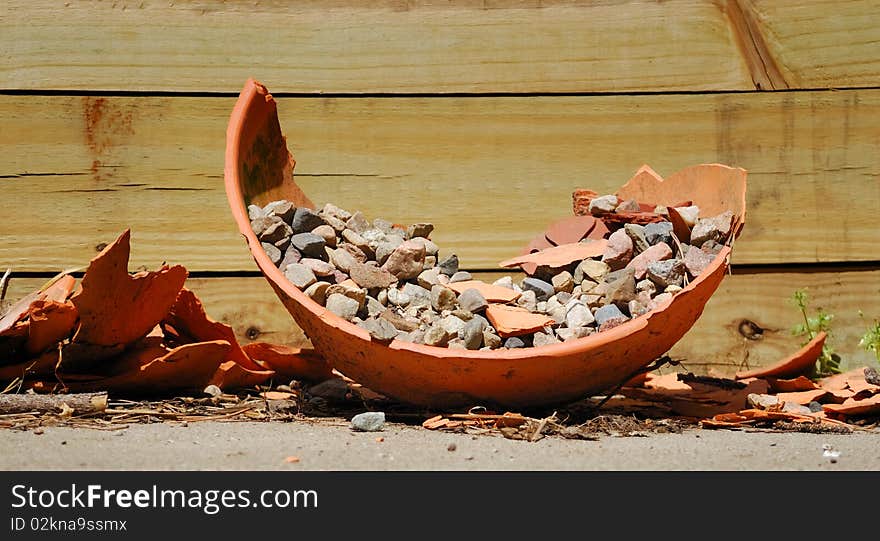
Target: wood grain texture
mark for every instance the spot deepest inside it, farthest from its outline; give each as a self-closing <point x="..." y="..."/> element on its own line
<point x="715" y="342"/>
<point x="765" y="299"/>
<point x="432" y="46"/>
<point x="821" y="43"/>
<point x="357" y="47"/>
<point x="489" y="172"/>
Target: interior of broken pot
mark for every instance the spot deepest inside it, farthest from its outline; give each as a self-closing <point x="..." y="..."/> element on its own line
<point x="619" y="257"/>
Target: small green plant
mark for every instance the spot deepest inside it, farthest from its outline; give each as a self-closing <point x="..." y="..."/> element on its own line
<point x="828" y="362"/>
<point x="871" y="339"/>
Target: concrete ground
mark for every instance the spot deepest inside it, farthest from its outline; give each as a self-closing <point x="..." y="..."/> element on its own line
<point x="331" y="445"/>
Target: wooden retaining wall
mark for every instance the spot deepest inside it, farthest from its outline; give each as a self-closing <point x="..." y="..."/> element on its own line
<point x="480" y="116"/>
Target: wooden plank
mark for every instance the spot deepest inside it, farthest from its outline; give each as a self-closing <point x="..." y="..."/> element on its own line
<point x="349" y="46"/>
<point x="821" y="43"/>
<point x="715" y="342"/>
<point x="459" y="46"/>
<point x="489" y="172"/>
<point x="765" y="300"/>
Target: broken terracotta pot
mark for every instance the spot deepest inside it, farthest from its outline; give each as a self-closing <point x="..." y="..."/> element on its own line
<point x="799" y="363"/>
<point x="259" y="169"/>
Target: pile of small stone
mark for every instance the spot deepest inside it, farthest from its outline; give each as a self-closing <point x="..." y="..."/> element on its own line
<point x="391" y="281"/>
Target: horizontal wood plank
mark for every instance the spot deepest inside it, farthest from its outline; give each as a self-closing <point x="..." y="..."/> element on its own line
<point x="344" y="46"/>
<point x="489" y="172"/>
<point x="356" y="47"/>
<point x="715" y="343"/>
<point x="821" y="43"/>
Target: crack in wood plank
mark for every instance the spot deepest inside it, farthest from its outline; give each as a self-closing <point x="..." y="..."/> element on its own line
<point x="762" y="66"/>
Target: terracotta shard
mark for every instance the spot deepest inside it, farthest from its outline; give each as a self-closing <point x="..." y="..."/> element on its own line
<point x="515" y="321"/>
<point x="714" y="423"/>
<point x="42" y="365"/>
<point x="59" y="290"/>
<point x="489" y="292"/>
<point x="730" y="418"/>
<point x="802" y="397"/>
<point x="232" y="375"/>
<point x="800" y="383"/>
<point x="12" y="342"/>
<point x="599" y="231"/>
<point x="693" y="398"/>
<point x="118" y="308"/>
<point x="188" y="367"/>
<point x="851" y="406"/>
<point x="797" y="364"/>
<point x="570" y="230"/>
<point x="679" y="227"/>
<point x="50" y="322"/>
<point x="510" y="419"/>
<point x="188" y="317"/>
<point x="580" y="201"/>
<point x="74" y="357"/>
<point x="16" y="313"/>
<point x="858" y="384"/>
<point x="277" y="395"/>
<point x="560" y="256"/>
<point x="840" y="382"/>
<point x="638" y="380"/>
<point x="438" y="421"/>
<point x="666" y="382"/>
<point x="535" y="245"/>
<point x="714" y="188"/>
<point x="755" y="416"/>
<point x="644" y="175"/>
<point x="639" y="218"/>
<point x="289" y="363"/>
<point x="132" y="359"/>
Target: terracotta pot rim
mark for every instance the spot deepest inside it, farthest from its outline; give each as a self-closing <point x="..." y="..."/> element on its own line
<point x="254" y="90"/>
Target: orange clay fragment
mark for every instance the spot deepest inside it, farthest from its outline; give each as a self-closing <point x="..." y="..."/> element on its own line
<point x="800" y="383"/>
<point x="277" y="395"/>
<point x="515" y="321"/>
<point x="850" y="406"/>
<point x="231" y="375"/>
<point x="714" y="188"/>
<point x="840" y="382"/>
<point x="60" y="289"/>
<point x="57" y="291"/>
<point x="489" y="292"/>
<point x="597" y="231"/>
<point x="679" y="227"/>
<point x="50" y="322"/>
<point x="188" y="317"/>
<point x="666" y="382"/>
<point x="289" y="363"/>
<point x="799" y="363"/>
<point x="188" y="367"/>
<point x="117" y="308"/>
<point x="802" y="397"/>
<point x="560" y="256"/>
<point x="858" y="384"/>
<point x="570" y="230"/>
